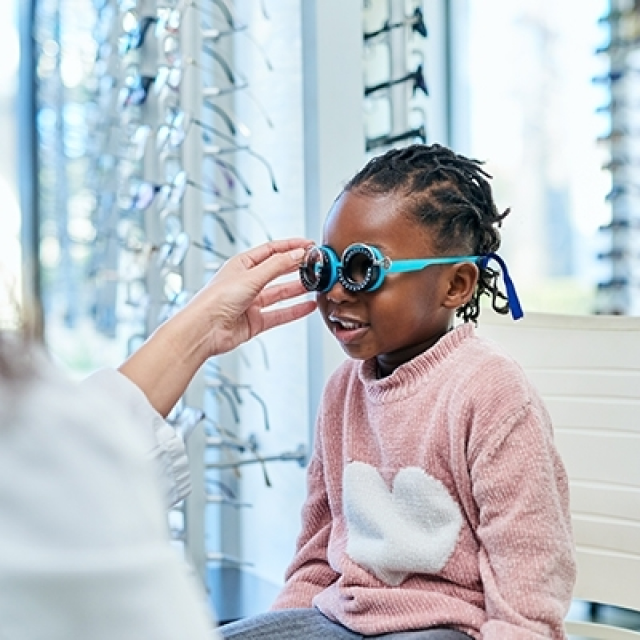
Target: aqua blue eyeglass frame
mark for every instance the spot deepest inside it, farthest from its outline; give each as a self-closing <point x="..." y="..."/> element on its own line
<point x="362" y="268"/>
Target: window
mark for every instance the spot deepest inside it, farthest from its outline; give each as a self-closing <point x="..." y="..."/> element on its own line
<point x="532" y="114"/>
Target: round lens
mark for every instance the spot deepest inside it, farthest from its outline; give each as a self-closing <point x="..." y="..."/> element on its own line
<point x="312" y="268"/>
<point x="180" y="120"/>
<point x="172" y="225"/>
<point x="177" y="137"/>
<point x="135" y="194"/>
<point x="358" y="268"/>
<point x="173" y="286"/>
<point x="179" y="250"/>
<point x="171" y="48"/>
<point x="130" y="22"/>
<point x="144" y="196"/>
<point x="132" y="236"/>
<point x="172" y="23"/>
<point x="318" y="270"/>
<point x="162" y="78"/>
<point x="174" y="78"/>
<point x="139" y="142"/>
<point x="178" y="187"/>
<point x="137" y="293"/>
<point x="163" y="136"/>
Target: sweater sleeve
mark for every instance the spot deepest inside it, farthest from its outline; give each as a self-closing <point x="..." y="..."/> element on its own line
<point x="165" y="447"/>
<point x="309" y="572"/>
<point x="526" y="550"/>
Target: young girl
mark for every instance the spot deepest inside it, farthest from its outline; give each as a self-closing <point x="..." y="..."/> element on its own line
<point x="437" y="504"/>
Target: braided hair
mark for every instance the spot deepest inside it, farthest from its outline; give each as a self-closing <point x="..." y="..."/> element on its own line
<point x="450" y="194"/>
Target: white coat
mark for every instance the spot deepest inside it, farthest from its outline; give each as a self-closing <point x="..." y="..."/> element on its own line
<point x="84" y="545"/>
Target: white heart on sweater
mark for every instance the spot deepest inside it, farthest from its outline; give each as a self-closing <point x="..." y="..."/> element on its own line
<point x="412" y="528"/>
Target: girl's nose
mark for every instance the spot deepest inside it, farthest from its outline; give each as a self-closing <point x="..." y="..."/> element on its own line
<point x="338" y="294"/>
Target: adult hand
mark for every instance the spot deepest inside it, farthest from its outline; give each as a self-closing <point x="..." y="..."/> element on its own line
<point x="237" y="299"/>
<point x="229" y="310"/>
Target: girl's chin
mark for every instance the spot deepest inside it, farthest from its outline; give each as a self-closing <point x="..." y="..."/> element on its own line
<point x="358" y="352"/>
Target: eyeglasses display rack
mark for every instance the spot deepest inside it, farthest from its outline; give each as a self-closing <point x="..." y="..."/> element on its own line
<point x="395" y="68"/>
<point x="619" y="293"/>
<point x="145" y="155"/>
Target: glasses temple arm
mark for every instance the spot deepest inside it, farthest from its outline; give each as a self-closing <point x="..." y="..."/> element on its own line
<point x="226" y="11"/>
<point x="418" y="82"/>
<point x="387" y="140"/>
<point x="403" y="266"/>
<point x="228" y="71"/>
<point x="233" y="125"/>
<point x="230" y="168"/>
<point x="214" y="151"/>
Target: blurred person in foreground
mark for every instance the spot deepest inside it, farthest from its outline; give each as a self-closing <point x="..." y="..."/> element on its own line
<point x="87" y="470"/>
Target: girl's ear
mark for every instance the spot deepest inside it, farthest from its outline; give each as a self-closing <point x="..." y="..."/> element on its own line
<point x="463" y="278"/>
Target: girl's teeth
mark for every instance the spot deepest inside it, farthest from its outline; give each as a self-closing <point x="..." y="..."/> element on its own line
<point x="350" y="325"/>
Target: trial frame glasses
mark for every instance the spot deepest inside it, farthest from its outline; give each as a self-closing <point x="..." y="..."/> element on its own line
<point x="362" y="267"/>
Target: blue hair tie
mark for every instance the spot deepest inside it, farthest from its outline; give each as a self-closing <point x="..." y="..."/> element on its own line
<point x="512" y="296"/>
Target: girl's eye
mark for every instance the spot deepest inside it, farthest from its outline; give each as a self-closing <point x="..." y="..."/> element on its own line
<point x="359" y="267"/>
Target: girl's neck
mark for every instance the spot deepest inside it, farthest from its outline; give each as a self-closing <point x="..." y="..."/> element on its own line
<point x="387" y="363"/>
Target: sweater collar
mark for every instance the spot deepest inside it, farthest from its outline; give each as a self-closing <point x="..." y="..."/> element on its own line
<point x="404" y="379"/>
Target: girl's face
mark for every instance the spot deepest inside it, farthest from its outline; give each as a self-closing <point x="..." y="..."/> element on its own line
<point x="411" y="311"/>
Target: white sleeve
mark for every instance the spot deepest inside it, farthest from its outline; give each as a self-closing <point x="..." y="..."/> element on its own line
<point x="166" y="447"/>
<point x="85" y="551"/>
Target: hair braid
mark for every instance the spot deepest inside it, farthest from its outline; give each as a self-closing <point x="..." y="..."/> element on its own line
<point x="450" y="194"/>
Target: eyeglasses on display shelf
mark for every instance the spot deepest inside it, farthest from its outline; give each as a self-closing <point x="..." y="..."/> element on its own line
<point x="395" y="37"/>
<point x="218" y="212"/>
<point x="152" y="155"/>
<point x="415" y="22"/>
<point x="177" y="124"/>
<point x="198" y="141"/>
<point x="215" y="151"/>
<point x="414" y="78"/>
<point x="618" y="293"/>
<point x="234" y="126"/>
<point x="135" y="30"/>
<point x="219" y="492"/>
<point x="299" y="455"/>
<point x="418" y="134"/>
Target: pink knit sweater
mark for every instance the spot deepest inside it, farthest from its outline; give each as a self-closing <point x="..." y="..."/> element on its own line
<point x="436" y="497"/>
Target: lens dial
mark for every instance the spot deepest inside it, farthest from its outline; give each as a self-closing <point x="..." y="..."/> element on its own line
<point x="360" y="270"/>
<point x="317" y="270"/>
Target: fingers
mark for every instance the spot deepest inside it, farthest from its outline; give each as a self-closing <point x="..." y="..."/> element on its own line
<point x="277" y="317"/>
<point x="280" y="292"/>
<point x="274" y="265"/>
<point x="259" y="254"/>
